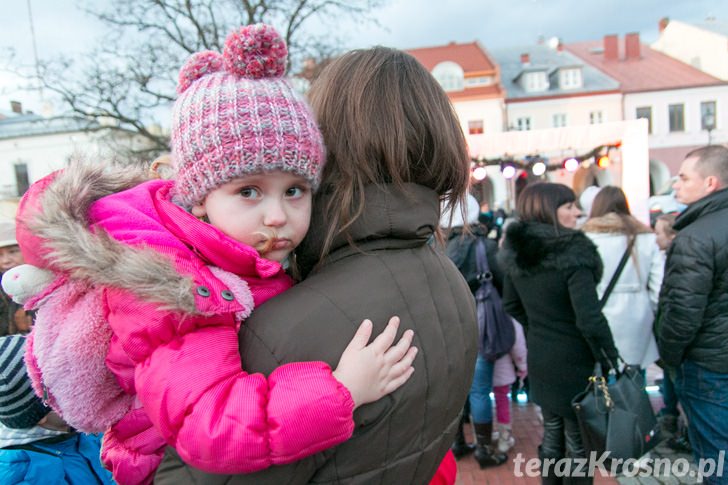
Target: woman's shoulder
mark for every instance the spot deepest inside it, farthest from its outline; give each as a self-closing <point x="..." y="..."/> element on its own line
<point x="530" y="247"/>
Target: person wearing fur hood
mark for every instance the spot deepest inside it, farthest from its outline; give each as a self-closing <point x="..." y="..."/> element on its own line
<point x="137" y="335"/>
<point x="552" y="271"/>
<point x="630" y="308"/>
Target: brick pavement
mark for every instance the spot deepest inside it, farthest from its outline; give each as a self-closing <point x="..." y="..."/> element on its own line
<point x="528" y="432"/>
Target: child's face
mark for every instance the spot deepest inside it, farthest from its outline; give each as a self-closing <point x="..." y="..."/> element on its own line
<point x="268" y="211"/>
<point x="663" y="240"/>
<point x="10" y="257"/>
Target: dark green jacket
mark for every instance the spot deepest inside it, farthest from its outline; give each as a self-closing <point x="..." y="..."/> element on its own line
<point x="402" y="438"/>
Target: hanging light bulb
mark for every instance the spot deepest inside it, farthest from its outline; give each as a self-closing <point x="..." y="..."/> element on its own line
<point x="603" y="161"/>
<point x="571" y="164"/>
<point x="538" y="168"/>
<point x="479" y="173"/>
<point x="509" y="171"/>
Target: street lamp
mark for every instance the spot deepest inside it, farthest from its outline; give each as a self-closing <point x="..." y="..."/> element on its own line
<point x="709" y="124"/>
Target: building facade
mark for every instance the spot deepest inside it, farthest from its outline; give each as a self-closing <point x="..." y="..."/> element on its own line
<point x="685" y="108"/>
<point x="33" y="146"/>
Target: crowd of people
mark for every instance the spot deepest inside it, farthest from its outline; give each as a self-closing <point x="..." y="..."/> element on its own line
<point x="282" y="307"/>
<point x="667" y="307"/>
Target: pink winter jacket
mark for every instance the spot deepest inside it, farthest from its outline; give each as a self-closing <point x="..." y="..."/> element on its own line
<point x="504" y="373"/>
<point x="174" y="339"/>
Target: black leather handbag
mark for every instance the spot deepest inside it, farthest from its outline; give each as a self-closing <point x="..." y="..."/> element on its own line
<point x="616" y="417"/>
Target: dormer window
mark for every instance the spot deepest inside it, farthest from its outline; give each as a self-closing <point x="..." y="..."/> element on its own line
<point x="535" y="81"/>
<point x="570" y="78"/>
<point x="474" y="82"/>
<point x="450" y="76"/>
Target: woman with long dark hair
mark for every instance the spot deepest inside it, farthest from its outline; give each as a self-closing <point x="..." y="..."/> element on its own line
<point x="630" y="308"/>
<point x="552" y="271"/>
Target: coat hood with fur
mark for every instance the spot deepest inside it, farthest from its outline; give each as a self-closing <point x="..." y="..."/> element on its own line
<point x="54" y="233"/>
<point x="614" y="223"/>
<point x="531" y="247"/>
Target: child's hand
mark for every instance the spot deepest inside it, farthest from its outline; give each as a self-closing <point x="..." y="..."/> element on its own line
<point x="522" y="374"/>
<point x="372" y="371"/>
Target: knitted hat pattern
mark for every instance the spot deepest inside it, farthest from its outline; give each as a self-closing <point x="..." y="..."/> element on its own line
<point x="19" y="406"/>
<point x="236" y="115"/>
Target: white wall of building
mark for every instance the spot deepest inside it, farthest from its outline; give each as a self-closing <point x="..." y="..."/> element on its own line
<point x="490" y="111"/>
<point x="693" y="134"/>
<point x="42" y="154"/>
<point x="577" y="110"/>
<point x="700" y="48"/>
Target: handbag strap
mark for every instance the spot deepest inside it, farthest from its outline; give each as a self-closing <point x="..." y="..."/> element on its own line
<point x="617" y="272"/>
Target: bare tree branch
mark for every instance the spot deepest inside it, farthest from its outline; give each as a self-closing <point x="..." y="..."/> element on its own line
<point x="127" y="82"/>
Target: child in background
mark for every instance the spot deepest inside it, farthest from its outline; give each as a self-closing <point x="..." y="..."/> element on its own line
<point x="664" y="232"/>
<point x="181" y="263"/>
<point x="36" y="446"/>
<point x="505" y="371"/>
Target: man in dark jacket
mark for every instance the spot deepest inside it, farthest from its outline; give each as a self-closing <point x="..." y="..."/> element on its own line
<point x="693" y="304"/>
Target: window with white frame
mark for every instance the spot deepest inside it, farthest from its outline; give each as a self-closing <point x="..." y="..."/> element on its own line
<point x="645" y="112"/>
<point x="676" y="113"/>
<point x="472" y="82"/>
<point x="523" y="123"/>
<point x="450" y="76"/>
<point x="708" y="117"/>
<point x="595" y="117"/>
<point x="536" y="81"/>
<point x="559" y="120"/>
<point x="22" y="182"/>
<point x="570" y="78"/>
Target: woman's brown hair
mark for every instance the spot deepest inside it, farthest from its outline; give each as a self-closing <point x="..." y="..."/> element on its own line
<point x="539" y="201"/>
<point x="385" y="120"/>
<point x="611" y="199"/>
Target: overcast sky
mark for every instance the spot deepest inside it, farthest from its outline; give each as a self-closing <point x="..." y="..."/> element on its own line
<point x="62" y="28"/>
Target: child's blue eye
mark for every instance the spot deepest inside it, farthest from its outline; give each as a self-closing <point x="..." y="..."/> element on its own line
<point x="249" y="192"/>
<point x="296" y="191"/>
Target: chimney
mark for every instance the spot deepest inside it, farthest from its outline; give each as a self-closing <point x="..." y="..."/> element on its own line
<point x="632" y="45"/>
<point x="525" y="59"/>
<point x="662" y="24"/>
<point x="16" y="107"/>
<point x="611" y="47"/>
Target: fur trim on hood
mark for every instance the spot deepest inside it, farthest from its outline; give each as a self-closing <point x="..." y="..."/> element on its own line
<point x="614" y="223"/>
<point x="70" y="247"/>
<point x="531" y="248"/>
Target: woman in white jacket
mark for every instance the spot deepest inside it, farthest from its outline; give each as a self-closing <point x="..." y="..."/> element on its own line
<point x="630" y="309"/>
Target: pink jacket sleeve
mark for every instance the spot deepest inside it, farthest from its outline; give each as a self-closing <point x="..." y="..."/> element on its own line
<point x="519" y="351"/>
<point x="220" y="419"/>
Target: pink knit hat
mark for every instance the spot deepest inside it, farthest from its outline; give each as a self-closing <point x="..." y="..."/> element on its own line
<point x="236" y="115"/>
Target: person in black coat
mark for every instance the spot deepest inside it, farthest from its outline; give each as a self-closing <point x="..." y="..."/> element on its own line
<point x="693" y="308"/>
<point x="551" y="274"/>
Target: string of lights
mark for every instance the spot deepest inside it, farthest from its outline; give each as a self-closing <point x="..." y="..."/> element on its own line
<point x="539" y="165"/>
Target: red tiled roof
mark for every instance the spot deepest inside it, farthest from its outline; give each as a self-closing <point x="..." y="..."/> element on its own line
<point x="653" y="71"/>
<point x="492" y="91"/>
<point x="471" y="57"/>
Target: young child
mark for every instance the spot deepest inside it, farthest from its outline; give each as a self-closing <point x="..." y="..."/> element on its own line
<point x="180" y="263"/>
<point x="663" y="230"/>
<point x="505" y="370"/>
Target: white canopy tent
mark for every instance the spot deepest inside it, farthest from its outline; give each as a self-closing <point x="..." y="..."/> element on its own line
<point x="629" y="168"/>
